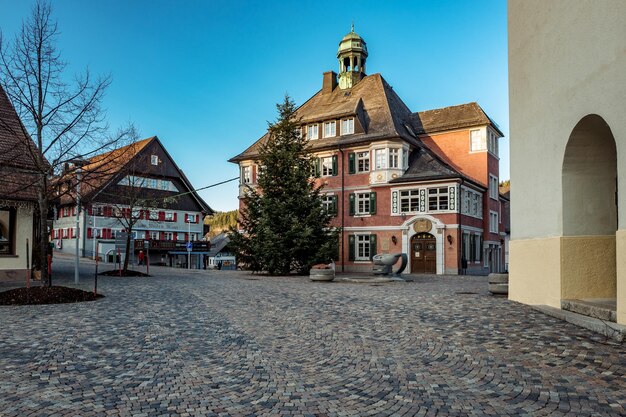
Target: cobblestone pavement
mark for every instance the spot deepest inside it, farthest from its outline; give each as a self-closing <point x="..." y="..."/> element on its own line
<point x="231" y="344"/>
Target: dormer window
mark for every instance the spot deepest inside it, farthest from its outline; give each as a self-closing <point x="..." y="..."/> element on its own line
<point x="347" y="126"/>
<point x="330" y="129"/>
<point x="312" y="132"/>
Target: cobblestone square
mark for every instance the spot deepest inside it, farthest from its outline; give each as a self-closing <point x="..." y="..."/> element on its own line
<point x="231" y="344"/>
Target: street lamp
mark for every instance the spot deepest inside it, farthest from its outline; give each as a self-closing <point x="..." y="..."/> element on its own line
<point x="79" y="163"/>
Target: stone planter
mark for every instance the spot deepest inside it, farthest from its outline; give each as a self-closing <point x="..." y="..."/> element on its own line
<point x="499" y="284"/>
<point x="321" y="274"/>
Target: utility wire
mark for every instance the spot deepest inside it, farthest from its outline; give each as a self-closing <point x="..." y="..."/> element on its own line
<point x="187" y="192"/>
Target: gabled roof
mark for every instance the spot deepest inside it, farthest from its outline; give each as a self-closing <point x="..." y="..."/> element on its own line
<point x="106" y="168"/>
<point x="451" y="117"/>
<point x="218" y="243"/>
<point x="425" y="165"/>
<point x="18" y="155"/>
<point x="380" y="111"/>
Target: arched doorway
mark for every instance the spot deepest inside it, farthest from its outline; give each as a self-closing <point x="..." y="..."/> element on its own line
<point x="423" y="254"/>
<point x="589" y="181"/>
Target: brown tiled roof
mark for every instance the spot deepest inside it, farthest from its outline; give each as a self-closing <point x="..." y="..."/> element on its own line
<point x="379" y="109"/>
<point x="102" y="168"/>
<point x="452" y="117"/>
<point x="18" y="154"/>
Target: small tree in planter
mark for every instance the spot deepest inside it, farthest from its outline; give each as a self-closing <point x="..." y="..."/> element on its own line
<point x="285" y="227"/>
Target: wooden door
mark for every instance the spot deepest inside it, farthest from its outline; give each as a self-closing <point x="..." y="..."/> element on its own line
<point x="423" y="254"/>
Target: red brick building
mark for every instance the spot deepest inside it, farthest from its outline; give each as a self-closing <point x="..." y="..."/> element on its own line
<point x="422" y="183"/>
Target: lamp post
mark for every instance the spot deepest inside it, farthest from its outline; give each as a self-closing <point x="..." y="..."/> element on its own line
<point x="79" y="163"/>
<point x="188" y="241"/>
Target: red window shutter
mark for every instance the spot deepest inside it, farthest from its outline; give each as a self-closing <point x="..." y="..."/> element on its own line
<point x="197" y="218"/>
<point x="162" y="236"/>
<point x="186" y="218"/>
<point x="186" y="237"/>
<point x="74" y="211"/>
<point x="71" y="232"/>
<point x="90" y="211"/>
<point x="175" y="216"/>
<point x="147" y="235"/>
<point x="161" y="216"/>
<point x="89" y="233"/>
<point x="52" y="233"/>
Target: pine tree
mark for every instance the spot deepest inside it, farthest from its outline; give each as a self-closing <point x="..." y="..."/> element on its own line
<point x="285" y="226"/>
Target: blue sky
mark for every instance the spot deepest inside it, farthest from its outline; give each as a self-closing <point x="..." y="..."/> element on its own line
<point x="204" y="76"/>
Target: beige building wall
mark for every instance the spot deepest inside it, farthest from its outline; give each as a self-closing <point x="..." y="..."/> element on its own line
<point x="567" y="60"/>
<point x="13" y="267"/>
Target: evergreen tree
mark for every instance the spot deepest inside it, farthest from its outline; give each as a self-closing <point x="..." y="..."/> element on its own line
<point x="285" y="226"/>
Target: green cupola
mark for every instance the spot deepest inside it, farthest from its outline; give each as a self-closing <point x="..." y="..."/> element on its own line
<point x="352" y="54"/>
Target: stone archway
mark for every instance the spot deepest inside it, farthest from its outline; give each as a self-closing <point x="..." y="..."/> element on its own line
<point x="589" y="186"/>
<point x="436" y="228"/>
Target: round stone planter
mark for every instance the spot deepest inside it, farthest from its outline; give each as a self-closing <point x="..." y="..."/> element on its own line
<point x="321" y="274"/>
<point x="499" y="284"/>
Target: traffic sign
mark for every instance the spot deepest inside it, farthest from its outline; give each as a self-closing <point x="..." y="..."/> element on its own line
<point x="189" y="246"/>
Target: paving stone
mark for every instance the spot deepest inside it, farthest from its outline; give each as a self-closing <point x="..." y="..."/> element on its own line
<point x="215" y="343"/>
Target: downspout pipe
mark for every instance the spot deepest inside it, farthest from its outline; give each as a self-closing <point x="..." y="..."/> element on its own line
<point x="343" y="211"/>
<point x="459" y="204"/>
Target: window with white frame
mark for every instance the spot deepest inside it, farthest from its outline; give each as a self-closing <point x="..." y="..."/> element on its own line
<point x="191" y="218"/>
<point x="380" y="158"/>
<point x="409" y="201"/>
<point x="180" y="236"/>
<point x="493" y="222"/>
<point x="326" y="166"/>
<point x="405" y="158"/>
<point x="438" y="198"/>
<point x="477" y="205"/>
<point x="362" y="250"/>
<point x="97" y="210"/>
<point x="328" y="202"/>
<point x="394" y="158"/>
<point x="493" y="187"/>
<point x="347" y="126"/>
<point x="168" y="236"/>
<point x="492" y="143"/>
<point x="330" y="129"/>
<point x="472" y="203"/>
<point x="154" y="235"/>
<point x="169" y="216"/>
<point x="363" y="161"/>
<point x="96" y="233"/>
<point x="362" y="205"/>
<point x="477" y="140"/>
<point x="154" y="160"/>
<point x="246" y="175"/>
<point x="193" y="237"/>
<point x="154" y="215"/>
<point x="312" y="132"/>
<point x="136" y="213"/>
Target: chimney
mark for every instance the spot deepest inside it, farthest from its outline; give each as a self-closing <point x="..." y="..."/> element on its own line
<point x="330" y="82"/>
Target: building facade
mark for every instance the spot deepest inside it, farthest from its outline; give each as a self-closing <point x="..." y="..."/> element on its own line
<point x="140" y="183"/>
<point x="567" y="81"/>
<point x="18" y="195"/>
<point x="422" y="183"/>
